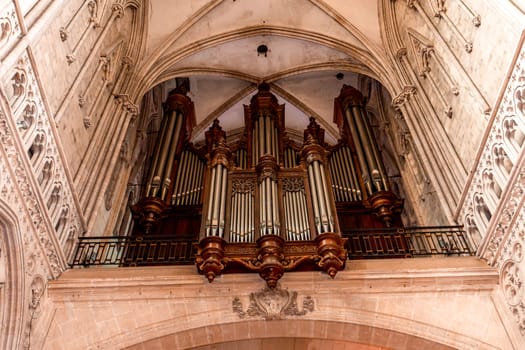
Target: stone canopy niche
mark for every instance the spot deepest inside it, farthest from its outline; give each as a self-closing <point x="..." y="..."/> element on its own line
<point x="265" y="203"/>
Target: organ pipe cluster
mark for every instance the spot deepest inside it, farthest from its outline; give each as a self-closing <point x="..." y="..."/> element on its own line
<point x="242" y="225"/>
<point x="264" y="121"/>
<point x="372" y="170"/>
<point x="314" y="155"/>
<point x="282" y="211"/>
<point x="176" y="125"/>
<point x="188" y="180"/>
<point x="219" y="163"/>
<point x="265" y="137"/>
<point x="295" y="209"/>
<point x="268" y="199"/>
<point x="345" y="180"/>
<point x="159" y="179"/>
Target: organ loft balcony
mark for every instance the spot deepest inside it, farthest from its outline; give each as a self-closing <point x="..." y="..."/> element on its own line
<point x="267" y="202"/>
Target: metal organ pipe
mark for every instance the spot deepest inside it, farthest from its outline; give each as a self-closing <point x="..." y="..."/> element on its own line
<point x="315" y="203"/>
<point x="344" y="173"/>
<point x="222" y="201"/>
<point x="210" y="203"/>
<point x="275" y="212"/>
<point x="173" y="145"/>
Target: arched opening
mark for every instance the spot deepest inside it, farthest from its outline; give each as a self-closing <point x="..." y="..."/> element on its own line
<point x="263" y="334"/>
<point x="12" y="288"/>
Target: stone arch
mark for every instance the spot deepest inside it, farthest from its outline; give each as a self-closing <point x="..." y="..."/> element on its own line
<point x="12" y="289"/>
<point x="347" y="332"/>
<point x="154" y="73"/>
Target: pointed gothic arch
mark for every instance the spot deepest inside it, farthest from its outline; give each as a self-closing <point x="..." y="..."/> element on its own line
<point x="12" y="287"/>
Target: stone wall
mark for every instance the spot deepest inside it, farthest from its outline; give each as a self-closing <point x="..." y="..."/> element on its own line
<point x="441" y="303"/>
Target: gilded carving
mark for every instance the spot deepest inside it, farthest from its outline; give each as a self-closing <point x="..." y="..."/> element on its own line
<point x="273" y="304"/>
<point x="243" y="186"/>
<point x="293" y="184"/>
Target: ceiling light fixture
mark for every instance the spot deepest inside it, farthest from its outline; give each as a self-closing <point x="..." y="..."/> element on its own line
<point x="262" y="50"/>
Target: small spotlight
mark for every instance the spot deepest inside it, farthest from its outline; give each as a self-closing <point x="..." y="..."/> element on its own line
<point x="262" y="50"/>
<point x="339" y="76"/>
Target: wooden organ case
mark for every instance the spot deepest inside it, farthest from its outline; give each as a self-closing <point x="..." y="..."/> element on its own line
<point x="266" y="204"/>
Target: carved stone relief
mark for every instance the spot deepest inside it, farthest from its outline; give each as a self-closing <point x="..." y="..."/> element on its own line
<point x="503" y="236"/>
<point x="9" y="26"/>
<point x="500" y="156"/>
<point x="273" y="304"/>
<point x="36" y="134"/>
<point x="424" y="54"/>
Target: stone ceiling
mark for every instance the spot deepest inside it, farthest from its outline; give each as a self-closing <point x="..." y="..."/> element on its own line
<point x="214" y="42"/>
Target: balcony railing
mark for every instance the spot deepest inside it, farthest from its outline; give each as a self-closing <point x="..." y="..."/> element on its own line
<point x="361" y="244"/>
<point x="134" y="251"/>
<point x="408" y="242"/>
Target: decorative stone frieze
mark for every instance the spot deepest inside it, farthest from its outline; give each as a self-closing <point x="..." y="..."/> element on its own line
<point x="493" y="206"/>
<point x="403" y="96"/>
<point x="37" y="136"/>
<point x="499" y="176"/>
<point x="9" y="26"/>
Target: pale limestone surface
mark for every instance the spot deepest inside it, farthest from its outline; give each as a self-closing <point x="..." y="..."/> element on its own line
<point x="75" y="82"/>
<point x="396" y="304"/>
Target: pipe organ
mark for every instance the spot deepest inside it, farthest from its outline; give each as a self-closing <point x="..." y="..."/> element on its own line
<point x="266" y="204"/>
